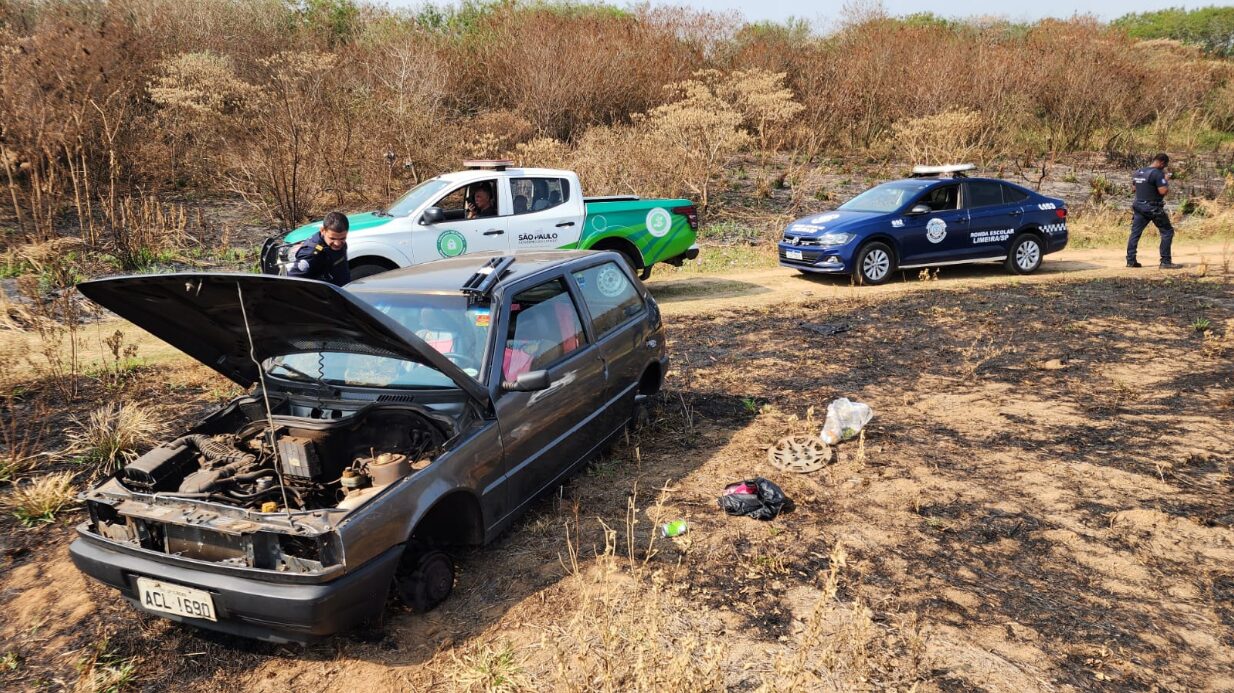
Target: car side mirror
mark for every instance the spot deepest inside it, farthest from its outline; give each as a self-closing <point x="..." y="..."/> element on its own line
<point x="919" y="209"/>
<point x="530" y="381"/>
<point x="433" y="215"/>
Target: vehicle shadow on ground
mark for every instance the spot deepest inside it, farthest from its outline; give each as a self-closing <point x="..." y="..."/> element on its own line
<point x="702" y="288"/>
<point x="529" y="559"/>
<point x="985" y="270"/>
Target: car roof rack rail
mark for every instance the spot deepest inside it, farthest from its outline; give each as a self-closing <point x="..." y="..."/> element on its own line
<point x="480" y="285"/>
<point x="956" y="170"/>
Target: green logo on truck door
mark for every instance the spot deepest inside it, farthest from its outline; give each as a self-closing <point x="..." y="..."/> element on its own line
<point x="659" y="221"/>
<point x="451" y="244"/>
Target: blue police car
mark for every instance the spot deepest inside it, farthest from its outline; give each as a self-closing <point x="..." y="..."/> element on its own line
<point x="926" y="221"/>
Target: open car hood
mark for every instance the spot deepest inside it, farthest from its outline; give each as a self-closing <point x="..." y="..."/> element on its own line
<point x="199" y="314"/>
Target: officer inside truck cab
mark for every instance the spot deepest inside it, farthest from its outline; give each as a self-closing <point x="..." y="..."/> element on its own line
<point x="324" y="255"/>
<point x="482" y="203"/>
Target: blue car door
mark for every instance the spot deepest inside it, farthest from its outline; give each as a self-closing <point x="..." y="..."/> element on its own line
<point x="992" y="220"/>
<point x="938" y="235"/>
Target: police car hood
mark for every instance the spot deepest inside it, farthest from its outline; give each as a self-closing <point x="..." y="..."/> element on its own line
<point x="200" y="314"/>
<point x="825" y="222"/>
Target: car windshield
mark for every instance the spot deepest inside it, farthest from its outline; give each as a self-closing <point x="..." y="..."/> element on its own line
<point x="412" y="199"/>
<point x="887" y="197"/>
<point x="445" y="322"/>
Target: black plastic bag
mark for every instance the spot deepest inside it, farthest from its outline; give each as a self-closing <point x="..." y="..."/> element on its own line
<point x="757" y="498"/>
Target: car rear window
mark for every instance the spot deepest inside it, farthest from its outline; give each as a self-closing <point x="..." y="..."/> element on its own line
<point x="984" y="193"/>
<point x="1011" y="194"/>
<point x="609" y="294"/>
<point x="537" y="194"/>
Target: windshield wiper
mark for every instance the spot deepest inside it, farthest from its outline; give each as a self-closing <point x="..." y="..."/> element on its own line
<point x="313" y="378"/>
<point x="382" y="213"/>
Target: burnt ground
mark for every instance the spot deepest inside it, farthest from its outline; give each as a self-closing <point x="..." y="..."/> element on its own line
<point x="1044" y="501"/>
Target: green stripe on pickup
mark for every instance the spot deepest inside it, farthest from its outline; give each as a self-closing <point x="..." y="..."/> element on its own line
<point x="627" y="219"/>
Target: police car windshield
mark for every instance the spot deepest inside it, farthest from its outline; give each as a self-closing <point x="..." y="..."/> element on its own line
<point x="445" y="322"/>
<point x="415" y="197"/>
<point x="887" y="197"/>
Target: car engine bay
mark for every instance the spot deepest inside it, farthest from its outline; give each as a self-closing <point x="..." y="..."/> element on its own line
<point x="302" y="463"/>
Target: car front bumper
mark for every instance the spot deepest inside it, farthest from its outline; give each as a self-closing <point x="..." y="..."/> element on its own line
<point x="815" y="259"/>
<point x="260" y="609"/>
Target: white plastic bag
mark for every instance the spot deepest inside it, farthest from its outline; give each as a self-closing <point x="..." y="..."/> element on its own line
<point x="845" y="420"/>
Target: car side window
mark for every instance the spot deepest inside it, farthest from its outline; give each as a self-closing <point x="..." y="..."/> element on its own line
<point x="1011" y="194"/>
<point x="942" y="198"/>
<point x="984" y="194"/>
<point x="609" y="294"/>
<point x="544" y="327"/>
<point x="538" y="194"/>
<point x="455" y="202"/>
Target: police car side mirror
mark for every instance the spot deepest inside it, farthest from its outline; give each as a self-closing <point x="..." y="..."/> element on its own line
<point x="433" y="215"/>
<point x="530" y="381"/>
<point x="919" y="209"/>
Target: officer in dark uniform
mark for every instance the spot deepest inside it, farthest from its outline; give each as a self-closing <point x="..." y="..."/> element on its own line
<point x="324" y="255"/>
<point x="1151" y="187"/>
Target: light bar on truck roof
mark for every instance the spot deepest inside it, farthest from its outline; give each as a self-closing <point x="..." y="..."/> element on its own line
<point x="487" y="164"/>
<point x="956" y="170"/>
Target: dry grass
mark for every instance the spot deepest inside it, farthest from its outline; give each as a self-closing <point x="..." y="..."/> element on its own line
<point x="111" y="435"/>
<point x="39" y="500"/>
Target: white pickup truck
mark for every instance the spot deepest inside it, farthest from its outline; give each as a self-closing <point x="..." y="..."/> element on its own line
<point x="535" y="209"/>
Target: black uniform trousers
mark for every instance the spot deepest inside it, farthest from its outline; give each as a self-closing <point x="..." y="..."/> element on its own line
<point x="1142" y="214"/>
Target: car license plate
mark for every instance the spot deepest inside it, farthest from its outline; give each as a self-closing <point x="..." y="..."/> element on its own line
<point x="792" y="254"/>
<point x="175" y="599"/>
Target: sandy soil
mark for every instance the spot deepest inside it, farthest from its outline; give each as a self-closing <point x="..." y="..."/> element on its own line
<point x="1042" y="502"/>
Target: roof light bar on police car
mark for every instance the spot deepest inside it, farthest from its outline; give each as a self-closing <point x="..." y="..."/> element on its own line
<point x="487" y="164"/>
<point x="956" y="170"/>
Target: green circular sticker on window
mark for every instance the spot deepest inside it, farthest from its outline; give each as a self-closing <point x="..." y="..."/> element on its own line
<point x="451" y="244"/>
<point x="659" y="221"/>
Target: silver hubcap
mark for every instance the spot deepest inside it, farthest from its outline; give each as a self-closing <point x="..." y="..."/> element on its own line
<point x="876" y="265"/>
<point x="1027" y="255"/>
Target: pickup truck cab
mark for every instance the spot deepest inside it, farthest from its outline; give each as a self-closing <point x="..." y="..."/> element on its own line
<point x="535" y="209"/>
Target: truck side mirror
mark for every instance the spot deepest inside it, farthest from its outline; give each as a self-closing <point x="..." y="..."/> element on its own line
<point x="919" y="209"/>
<point x="530" y="381"/>
<point x="433" y="215"/>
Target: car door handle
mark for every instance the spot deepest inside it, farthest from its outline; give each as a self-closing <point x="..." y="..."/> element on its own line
<point x="494" y="232"/>
<point x="1016" y="212"/>
<point x="565" y="223"/>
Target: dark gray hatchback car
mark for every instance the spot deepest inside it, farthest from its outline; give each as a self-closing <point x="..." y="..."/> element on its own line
<point x="412" y="412"/>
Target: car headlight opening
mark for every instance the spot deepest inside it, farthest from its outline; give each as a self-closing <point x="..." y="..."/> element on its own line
<point x="835" y="238"/>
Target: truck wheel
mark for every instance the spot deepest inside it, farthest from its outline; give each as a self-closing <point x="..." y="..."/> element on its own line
<point x="367" y="269"/>
<point x="875" y="262"/>
<point x="428" y="583"/>
<point x="1024" y="257"/>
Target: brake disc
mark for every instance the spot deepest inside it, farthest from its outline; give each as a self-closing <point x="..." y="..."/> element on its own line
<point x="799" y="454"/>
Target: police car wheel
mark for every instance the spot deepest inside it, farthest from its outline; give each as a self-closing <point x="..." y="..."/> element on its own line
<point x="875" y="263"/>
<point x="367" y="269"/>
<point x="1024" y="256"/>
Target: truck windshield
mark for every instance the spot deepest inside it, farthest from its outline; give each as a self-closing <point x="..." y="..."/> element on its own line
<point x="445" y="322"/>
<point x="412" y="199"/>
<point x="887" y="197"/>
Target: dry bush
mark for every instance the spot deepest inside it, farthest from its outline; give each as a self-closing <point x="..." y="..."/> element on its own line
<point x="39" y="500"/>
<point x="110" y="437"/>
<point x="947" y="137"/>
<point x="200" y="100"/>
<point x="529" y="59"/>
<point x="299" y="129"/>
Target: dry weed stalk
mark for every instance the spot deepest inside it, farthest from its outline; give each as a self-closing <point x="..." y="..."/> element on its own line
<point x="21" y="434"/>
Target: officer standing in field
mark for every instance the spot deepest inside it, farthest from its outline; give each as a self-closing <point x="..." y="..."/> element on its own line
<point x="324" y="255"/>
<point x="1152" y="184"/>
